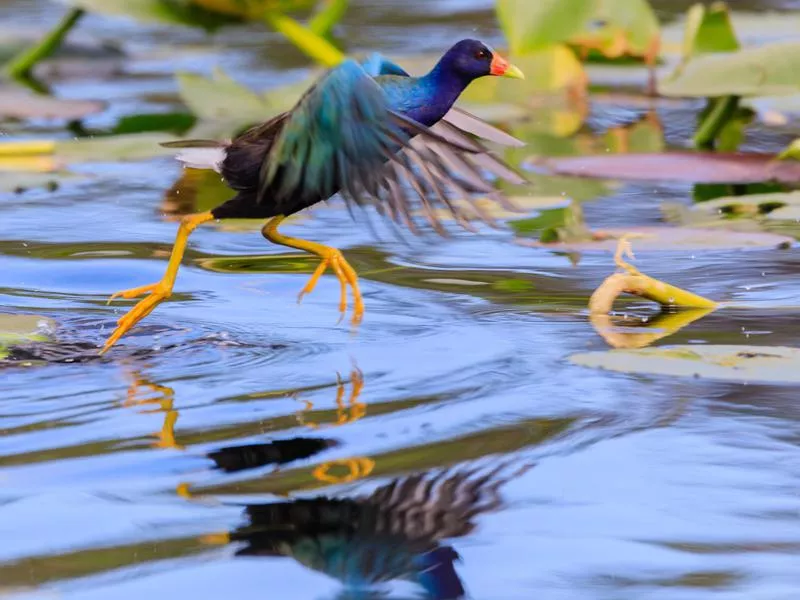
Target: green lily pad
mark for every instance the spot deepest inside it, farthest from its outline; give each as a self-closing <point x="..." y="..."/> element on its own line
<point x="773" y="69"/>
<point x="778" y="364"/>
<point x="135" y="146"/>
<point x="21" y="329"/>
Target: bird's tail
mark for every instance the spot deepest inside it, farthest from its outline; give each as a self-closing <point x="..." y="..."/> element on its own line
<point x="200" y="154"/>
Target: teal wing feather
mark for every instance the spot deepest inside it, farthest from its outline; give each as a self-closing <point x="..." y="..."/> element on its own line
<point x="344" y="136"/>
<point x="376" y="64"/>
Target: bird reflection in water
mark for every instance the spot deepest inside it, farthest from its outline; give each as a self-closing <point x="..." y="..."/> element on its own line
<point x="143" y="391"/>
<point x="396" y="533"/>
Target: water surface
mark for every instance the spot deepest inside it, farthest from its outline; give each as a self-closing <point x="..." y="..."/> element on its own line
<point x="133" y="476"/>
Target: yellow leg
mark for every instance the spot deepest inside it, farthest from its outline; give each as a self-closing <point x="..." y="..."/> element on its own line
<point x="157" y="291"/>
<point x="331" y="257"/>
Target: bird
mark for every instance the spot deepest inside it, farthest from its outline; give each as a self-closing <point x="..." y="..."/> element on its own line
<point x="365" y="130"/>
<point x="398" y="532"/>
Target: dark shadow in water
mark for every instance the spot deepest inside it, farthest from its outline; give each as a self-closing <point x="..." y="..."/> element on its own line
<point x="232" y="459"/>
<point x="396" y="533"/>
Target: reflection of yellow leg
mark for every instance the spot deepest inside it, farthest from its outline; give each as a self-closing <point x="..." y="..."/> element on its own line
<point x="331" y="257"/>
<point x="357" y="468"/>
<point x="165" y="397"/>
<point x="157" y="291"/>
<point x="356" y="411"/>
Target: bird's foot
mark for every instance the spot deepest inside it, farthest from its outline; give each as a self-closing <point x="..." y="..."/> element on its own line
<point x="157" y="292"/>
<point x="333" y="258"/>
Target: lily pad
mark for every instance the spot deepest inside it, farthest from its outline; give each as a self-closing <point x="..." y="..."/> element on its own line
<point x="778" y="364"/>
<point x="19" y="104"/>
<point x="19" y="182"/>
<point x="660" y="239"/>
<point x="689" y="167"/>
<point x="778" y="206"/>
<point x="21" y="329"/>
<point x="773" y="69"/>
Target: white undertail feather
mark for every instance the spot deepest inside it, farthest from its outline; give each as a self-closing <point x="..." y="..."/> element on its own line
<point x="202" y="158"/>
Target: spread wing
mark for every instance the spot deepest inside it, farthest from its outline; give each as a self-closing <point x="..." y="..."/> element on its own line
<point x="343" y="135"/>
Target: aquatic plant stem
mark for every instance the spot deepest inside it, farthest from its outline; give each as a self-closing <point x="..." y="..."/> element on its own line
<point x="632" y="281"/>
<point x="721" y="112"/>
<point x="20" y="67"/>
<point x="326" y="18"/>
<point x="304" y="38"/>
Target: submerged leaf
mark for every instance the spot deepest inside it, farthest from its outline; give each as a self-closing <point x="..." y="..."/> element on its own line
<point x="773" y="364"/>
<point x="690" y="167"/>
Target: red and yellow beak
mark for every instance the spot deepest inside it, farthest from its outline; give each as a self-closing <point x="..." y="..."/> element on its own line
<point x="502" y="68"/>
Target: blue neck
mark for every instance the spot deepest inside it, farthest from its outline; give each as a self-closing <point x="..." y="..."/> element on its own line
<point x="445" y="85"/>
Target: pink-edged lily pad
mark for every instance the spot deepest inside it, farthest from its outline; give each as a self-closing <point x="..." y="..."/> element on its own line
<point x="687" y="167"/>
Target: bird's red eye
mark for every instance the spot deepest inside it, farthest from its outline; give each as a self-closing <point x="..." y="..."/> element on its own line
<point x="481" y="54"/>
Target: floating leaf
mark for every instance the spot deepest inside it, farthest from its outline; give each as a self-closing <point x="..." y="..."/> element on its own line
<point x="768" y="364"/>
<point x="131" y="147"/>
<point x="20" y="329"/>
<point x="19" y="182"/>
<point x="659" y="239"/>
<point x="51" y="155"/>
<point x="535" y="25"/>
<point x="690" y="167"/>
<point x="773" y="69"/>
<point x="20" y="104"/>
<point x="779" y="206"/>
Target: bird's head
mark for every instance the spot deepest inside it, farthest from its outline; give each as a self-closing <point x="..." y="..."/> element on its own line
<point x="473" y="59"/>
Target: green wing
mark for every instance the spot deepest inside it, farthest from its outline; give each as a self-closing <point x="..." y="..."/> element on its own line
<point x="343" y="136"/>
